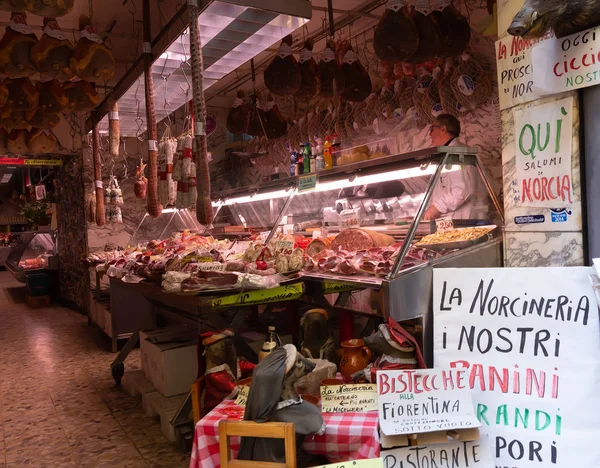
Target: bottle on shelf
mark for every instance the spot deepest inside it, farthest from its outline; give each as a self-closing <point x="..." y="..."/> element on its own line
<point x="336" y="146"/>
<point x="275" y="175"/>
<point x="300" y="162"/>
<point x="327" y="153"/>
<point x="307" y="158"/>
<point x="293" y="164"/>
<point x="320" y="162"/>
<point x="313" y="160"/>
<point x="272" y="342"/>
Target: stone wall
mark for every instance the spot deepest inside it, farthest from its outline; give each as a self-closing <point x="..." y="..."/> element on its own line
<point x="72" y="239"/>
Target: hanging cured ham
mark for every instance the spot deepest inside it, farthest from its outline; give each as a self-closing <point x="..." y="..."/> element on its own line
<point x="237" y="118"/>
<point x="22" y="95"/>
<point x="82" y="95"/>
<point x="332" y="77"/>
<point x="311" y="75"/>
<point x="454" y="28"/>
<point x="18" y="141"/>
<point x="204" y="211"/>
<point x="283" y="75"/>
<point x="430" y="36"/>
<point x="357" y="82"/>
<point x="42" y="142"/>
<point x="53" y="8"/>
<point x="92" y="60"/>
<point x="52" y="100"/>
<point x="276" y="125"/>
<point x="52" y="54"/>
<point x="15" y="48"/>
<point x="258" y="118"/>
<point x="396" y="37"/>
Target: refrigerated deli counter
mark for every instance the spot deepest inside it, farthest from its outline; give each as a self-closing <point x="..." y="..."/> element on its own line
<point x="370" y="248"/>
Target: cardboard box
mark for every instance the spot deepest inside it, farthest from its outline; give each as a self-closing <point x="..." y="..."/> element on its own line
<point x="169" y="359"/>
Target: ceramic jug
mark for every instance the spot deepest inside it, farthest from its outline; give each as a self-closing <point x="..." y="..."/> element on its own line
<point x="355" y="357"/>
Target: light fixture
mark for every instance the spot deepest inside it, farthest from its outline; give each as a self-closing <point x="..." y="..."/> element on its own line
<point x="231" y="35"/>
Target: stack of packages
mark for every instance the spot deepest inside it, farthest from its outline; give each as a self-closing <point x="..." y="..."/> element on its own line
<point x="167" y="187"/>
<point x="113" y="200"/>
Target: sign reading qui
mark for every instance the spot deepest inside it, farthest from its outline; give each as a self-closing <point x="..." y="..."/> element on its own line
<point x="349" y="398"/>
<point x="527" y="340"/>
<point x="417" y="401"/>
<point x="543" y="138"/>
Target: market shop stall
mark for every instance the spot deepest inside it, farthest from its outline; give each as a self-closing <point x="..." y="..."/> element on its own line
<point x="363" y="231"/>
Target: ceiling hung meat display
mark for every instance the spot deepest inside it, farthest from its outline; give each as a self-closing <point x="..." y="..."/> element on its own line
<point x="369" y="81"/>
<point x="230" y="34"/>
<point x="47" y="76"/>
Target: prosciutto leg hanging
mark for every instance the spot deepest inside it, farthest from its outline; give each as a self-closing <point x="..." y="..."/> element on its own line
<point x="204" y="211"/>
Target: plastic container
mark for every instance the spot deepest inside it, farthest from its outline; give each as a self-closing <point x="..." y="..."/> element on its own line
<point x="327" y="153"/>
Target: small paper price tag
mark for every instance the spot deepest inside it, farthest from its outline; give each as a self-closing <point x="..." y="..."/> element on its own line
<point x="288" y="229"/>
<point x="286" y="247"/>
<point x="444" y="224"/>
<point x="264" y="235"/>
<point x="316" y="234"/>
<point x="349" y="219"/>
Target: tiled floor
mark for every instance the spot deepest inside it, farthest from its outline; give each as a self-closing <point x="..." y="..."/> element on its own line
<point x="59" y="406"/>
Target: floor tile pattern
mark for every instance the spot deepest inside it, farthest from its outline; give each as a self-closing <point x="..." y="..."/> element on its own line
<point x="59" y="406"/>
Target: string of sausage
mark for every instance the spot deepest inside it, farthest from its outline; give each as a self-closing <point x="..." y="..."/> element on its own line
<point x="204" y="211"/>
<point x="154" y="206"/>
<point x="100" y="214"/>
<point x="114" y="131"/>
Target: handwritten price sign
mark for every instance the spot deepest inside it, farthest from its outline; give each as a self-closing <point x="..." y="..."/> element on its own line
<point x="444" y="224"/>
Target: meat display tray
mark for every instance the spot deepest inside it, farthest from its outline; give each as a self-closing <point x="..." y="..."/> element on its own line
<point x="461" y="244"/>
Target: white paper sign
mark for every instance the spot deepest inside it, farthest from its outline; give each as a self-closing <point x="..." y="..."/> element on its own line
<point x="451" y="455"/>
<point x="528" y="339"/>
<point x="543" y="140"/>
<point x="428" y="400"/>
<point x="515" y="71"/>
<point x="568" y="63"/>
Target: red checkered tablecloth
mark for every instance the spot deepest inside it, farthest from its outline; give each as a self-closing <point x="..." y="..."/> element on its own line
<point x="348" y="436"/>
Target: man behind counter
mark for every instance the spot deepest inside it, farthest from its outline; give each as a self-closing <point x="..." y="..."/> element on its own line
<point x="454" y="195"/>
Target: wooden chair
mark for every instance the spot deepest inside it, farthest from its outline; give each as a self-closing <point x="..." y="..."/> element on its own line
<point x="271" y="430"/>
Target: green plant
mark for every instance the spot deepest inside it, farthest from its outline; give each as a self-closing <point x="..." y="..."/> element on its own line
<point x="35" y="212"/>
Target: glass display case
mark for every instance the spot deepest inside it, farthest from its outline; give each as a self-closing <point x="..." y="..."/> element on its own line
<point x="377" y="228"/>
<point x="170" y="221"/>
<point x="397" y="200"/>
<point x="33" y="251"/>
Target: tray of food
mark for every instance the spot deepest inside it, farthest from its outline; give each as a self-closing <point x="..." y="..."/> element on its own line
<point x="457" y="238"/>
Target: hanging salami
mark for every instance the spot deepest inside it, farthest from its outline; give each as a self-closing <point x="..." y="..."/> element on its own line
<point x="204" y="211"/>
<point x="100" y="214"/>
<point x="154" y="206"/>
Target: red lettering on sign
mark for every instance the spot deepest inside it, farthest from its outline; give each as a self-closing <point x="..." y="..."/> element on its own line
<point x="541" y="189"/>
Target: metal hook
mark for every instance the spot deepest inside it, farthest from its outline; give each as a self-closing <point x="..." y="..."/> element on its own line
<point x="133" y="9"/>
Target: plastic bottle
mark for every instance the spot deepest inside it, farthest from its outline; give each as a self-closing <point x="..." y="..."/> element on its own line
<point x="313" y="160"/>
<point x="327" y="153"/>
<point x="335" y="148"/>
<point x="320" y="163"/>
<point x="307" y="158"/>
<point x="271" y="343"/>
<point x="300" y="162"/>
<point x="293" y="164"/>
